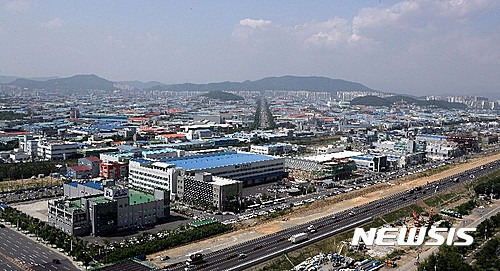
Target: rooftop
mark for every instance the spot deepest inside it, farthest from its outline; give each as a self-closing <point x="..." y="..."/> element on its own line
<point x="101" y="199"/>
<point x="137" y="197"/>
<point x="328" y="157"/>
<point x="217" y="160"/>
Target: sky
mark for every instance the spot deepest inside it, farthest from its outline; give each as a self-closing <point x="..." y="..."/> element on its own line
<point x="419" y="47"/>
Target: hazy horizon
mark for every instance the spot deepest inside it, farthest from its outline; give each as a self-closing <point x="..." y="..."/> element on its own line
<point x="417" y="47"/>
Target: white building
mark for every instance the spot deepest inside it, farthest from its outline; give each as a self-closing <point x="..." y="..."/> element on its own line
<point x="272" y="149"/>
<point x="56" y="150"/>
<point x="149" y="175"/>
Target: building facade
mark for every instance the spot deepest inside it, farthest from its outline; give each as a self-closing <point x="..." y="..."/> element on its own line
<point x="117" y="209"/>
<point x="207" y="191"/>
<point x="56" y="150"/>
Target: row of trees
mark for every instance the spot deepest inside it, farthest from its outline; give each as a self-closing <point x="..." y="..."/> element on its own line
<point x="9" y="145"/>
<point x="86" y="252"/>
<point x="187" y="236"/>
<point x="13" y="171"/>
<point x="10" y="115"/>
<point x="489" y="184"/>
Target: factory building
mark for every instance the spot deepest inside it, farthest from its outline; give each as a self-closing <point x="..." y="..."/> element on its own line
<point x="207" y="191"/>
<point x="149" y="175"/>
<point x="91" y="162"/>
<point x="85" y="188"/>
<point x="271" y="149"/>
<point x="249" y="168"/>
<point x="56" y="150"/>
<point x="372" y="162"/>
<point x="330" y="166"/>
<point x="117" y="209"/>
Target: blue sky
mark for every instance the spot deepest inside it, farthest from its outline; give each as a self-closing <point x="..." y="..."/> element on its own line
<point x="414" y="46"/>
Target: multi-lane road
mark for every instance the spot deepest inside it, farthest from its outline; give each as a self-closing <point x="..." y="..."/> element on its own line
<point x="18" y="252"/>
<point x="267" y="247"/>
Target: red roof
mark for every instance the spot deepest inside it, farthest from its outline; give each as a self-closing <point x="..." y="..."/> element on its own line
<point x="93" y="159"/>
<point x="15" y="133"/>
<point x="139" y="118"/>
<point x="173" y="135"/>
<point x="80" y="168"/>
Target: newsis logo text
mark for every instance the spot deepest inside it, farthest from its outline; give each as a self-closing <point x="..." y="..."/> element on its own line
<point x="413" y="236"/>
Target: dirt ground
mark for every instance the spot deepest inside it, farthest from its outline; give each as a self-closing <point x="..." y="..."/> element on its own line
<point x="36" y="209"/>
<point x="28" y="183"/>
<point x="314" y="211"/>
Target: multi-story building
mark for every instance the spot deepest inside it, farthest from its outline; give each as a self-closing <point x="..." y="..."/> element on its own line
<point x="82" y="188"/>
<point x="79" y="172"/>
<point x="204" y="190"/>
<point x="372" y="162"/>
<point x="93" y="163"/>
<point x="248" y="168"/>
<point x="117" y="209"/>
<point x="440" y="147"/>
<point x="150" y="175"/>
<point x="56" y="150"/>
<point x="272" y="149"/>
<point x="28" y="144"/>
<point x="113" y="170"/>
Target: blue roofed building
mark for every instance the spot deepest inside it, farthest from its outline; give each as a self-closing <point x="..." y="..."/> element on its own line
<point x="249" y="168"/>
<point x="371" y="161"/>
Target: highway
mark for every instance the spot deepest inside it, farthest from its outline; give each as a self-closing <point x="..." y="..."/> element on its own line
<point x="270" y="246"/>
<point x="18" y="252"/>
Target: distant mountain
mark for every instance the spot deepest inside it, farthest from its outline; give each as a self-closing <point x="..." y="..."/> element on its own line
<point x="7" y="79"/>
<point x="389" y="101"/>
<point x="291" y="83"/>
<point x="371" y="101"/>
<point x="142" y="85"/>
<point x="223" y="96"/>
<point x="90" y="81"/>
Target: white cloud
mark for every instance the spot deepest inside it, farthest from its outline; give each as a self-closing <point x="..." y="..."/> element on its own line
<point x="254" y="23"/>
<point x="329" y="33"/>
<point x="461" y="7"/>
<point x="53" y="24"/>
<point x="19" y="5"/>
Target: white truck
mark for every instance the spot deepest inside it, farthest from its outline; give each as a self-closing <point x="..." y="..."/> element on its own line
<point x="299" y="237"/>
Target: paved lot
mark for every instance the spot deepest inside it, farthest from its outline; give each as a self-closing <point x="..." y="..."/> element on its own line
<point x="18" y="249"/>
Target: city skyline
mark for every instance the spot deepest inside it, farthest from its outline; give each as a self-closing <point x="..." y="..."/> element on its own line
<point x="415" y="47"/>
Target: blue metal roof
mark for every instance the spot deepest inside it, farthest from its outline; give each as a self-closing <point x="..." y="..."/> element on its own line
<point x="95" y="185"/>
<point x="220" y="160"/>
<point x="74" y="184"/>
<point x="362" y="158"/>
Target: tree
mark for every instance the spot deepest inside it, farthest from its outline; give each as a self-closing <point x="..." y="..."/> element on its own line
<point x="447" y="259"/>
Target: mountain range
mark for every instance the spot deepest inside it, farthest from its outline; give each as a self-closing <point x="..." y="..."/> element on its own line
<point x="289" y="83"/>
<point x="389" y="101"/>
<point x="77" y="82"/>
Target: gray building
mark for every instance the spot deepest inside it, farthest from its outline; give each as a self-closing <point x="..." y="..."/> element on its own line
<point x="117" y="209"/>
<point x="93" y="163"/>
<point x="207" y="191"/>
